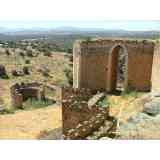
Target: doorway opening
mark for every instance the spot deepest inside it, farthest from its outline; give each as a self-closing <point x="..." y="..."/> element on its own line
<point x="117" y="69"/>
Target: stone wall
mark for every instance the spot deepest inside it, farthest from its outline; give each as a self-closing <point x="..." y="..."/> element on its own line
<point x="92" y="63"/>
<point x="156" y="69"/>
<point x="80" y="120"/>
<point x="20" y="92"/>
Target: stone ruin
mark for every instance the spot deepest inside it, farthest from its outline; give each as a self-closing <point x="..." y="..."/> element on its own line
<point x="95" y="64"/>
<point x="20" y="92"/>
<point x="24" y="71"/>
<point x="23" y="91"/>
<point x="79" y="119"/>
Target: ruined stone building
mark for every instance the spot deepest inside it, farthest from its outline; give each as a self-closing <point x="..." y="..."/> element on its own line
<point x="95" y="64"/>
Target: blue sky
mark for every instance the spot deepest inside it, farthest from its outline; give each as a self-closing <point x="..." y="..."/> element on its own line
<point x="108" y="24"/>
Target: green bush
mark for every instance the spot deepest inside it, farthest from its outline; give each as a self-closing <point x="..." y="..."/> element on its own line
<point x="27" y="61"/>
<point x="88" y="39"/>
<point x="4" y="77"/>
<point x="8" y="52"/>
<point x="69" y="74"/>
<point x="103" y="102"/>
<point x="47" y="54"/>
<point x="129" y="93"/>
<point x="34" y="103"/>
<point x="6" y="111"/>
<point x="29" y="53"/>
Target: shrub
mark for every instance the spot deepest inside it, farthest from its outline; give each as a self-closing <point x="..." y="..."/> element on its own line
<point x="103" y="102"/>
<point x="69" y="50"/>
<point x="88" y="39"/>
<point x="22" y="54"/>
<point x="26" y="70"/>
<point x="5" y="77"/>
<point x="47" y="54"/>
<point x="15" y="73"/>
<point x="69" y="75"/>
<point x="8" y="52"/>
<point x="3" y="73"/>
<point x="29" y="53"/>
<point x="44" y="70"/>
<point x="34" y="103"/>
<point x="27" y="61"/>
<point x="6" y="111"/>
<point x="129" y="93"/>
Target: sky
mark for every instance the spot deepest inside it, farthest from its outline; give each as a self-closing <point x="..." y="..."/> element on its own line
<point x="131" y="25"/>
<point x="108" y="14"/>
<point x="79" y="9"/>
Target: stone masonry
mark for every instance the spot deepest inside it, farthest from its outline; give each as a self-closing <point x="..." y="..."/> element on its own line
<point x="79" y="119"/>
<point x="20" y="92"/>
<point x="95" y="64"/>
<point x="156" y="69"/>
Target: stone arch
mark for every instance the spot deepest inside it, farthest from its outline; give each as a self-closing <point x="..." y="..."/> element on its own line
<point x="91" y="63"/>
<point x="112" y="73"/>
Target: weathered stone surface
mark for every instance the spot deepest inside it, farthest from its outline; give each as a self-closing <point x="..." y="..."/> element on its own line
<point x="137" y="118"/>
<point x="17" y="73"/>
<point x="20" y="92"/>
<point x="153" y="107"/>
<point x="142" y="126"/>
<point x="92" y="101"/>
<point x="155" y="94"/>
<point x="79" y="120"/>
<point x="156" y="69"/>
<point x="105" y="138"/>
<point x="95" y="63"/>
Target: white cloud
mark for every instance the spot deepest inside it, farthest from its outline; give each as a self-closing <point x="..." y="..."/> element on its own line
<point x="78" y="9"/>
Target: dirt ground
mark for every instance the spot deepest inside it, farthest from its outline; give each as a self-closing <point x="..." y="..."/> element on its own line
<point x="123" y="107"/>
<point x="30" y="124"/>
<point x="43" y="123"/>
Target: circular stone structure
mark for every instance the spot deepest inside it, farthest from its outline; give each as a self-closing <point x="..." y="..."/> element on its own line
<point x="20" y="92"/>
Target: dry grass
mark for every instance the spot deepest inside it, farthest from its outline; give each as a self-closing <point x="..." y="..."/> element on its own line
<point x="56" y="64"/>
<point x="123" y="107"/>
<point x="30" y="124"/>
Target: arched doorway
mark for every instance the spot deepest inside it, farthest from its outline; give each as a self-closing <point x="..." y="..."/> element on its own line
<point x="117" y="69"/>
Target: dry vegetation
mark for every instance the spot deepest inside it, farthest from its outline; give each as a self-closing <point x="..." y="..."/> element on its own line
<point x="31" y="123"/>
<point x="53" y="66"/>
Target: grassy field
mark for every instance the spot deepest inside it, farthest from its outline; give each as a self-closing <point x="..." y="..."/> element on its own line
<point x="37" y="119"/>
<point x="55" y="65"/>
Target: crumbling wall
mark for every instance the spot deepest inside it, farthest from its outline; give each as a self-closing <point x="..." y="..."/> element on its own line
<point x="20" y="92"/>
<point x="156" y="69"/>
<point x="91" y="63"/>
<point x="80" y="120"/>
